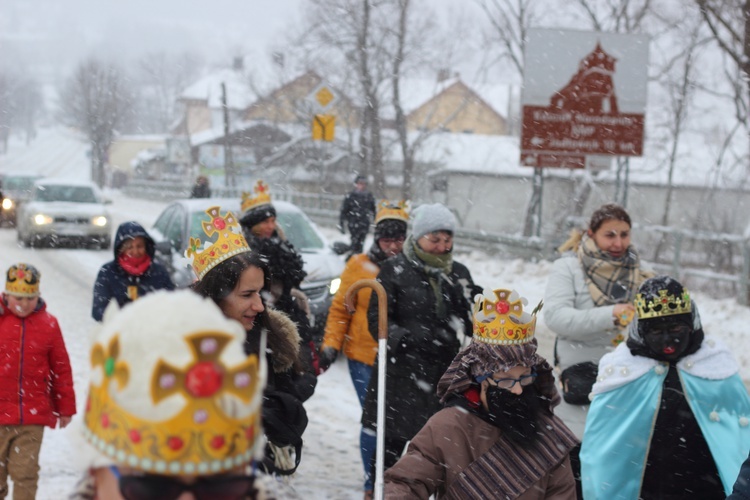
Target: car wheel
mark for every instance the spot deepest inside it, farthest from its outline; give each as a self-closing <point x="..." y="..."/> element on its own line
<point x="105" y="243"/>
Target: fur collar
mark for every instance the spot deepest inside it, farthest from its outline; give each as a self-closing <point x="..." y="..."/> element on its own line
<point x="283" y="341"/>
<point x="713" y="361"/>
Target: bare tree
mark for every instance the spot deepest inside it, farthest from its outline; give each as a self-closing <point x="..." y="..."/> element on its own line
<point x="162" y="76"/>
<point x="510" y="21"/>
<point x="21" y="105"/>
<point x="729" y="22"/>
<point x="97" y="100"/>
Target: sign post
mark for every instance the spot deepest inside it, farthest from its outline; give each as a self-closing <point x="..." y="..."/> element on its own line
<point x="584" y="100"/>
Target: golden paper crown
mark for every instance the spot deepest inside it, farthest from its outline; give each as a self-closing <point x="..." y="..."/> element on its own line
<point x="201" y="439"/>
<point x="388" y="210"/>
<point x="229" y="241"/>
<point x="665" y="304"/>
<point x="22" y="280"/>
<point x="261" y="197"/>
<point x="499" y="318"/>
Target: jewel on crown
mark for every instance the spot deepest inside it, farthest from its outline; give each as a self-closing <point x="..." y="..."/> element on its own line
<point x="229" y="242"/>
<point x="499" y="318"/>
<point x="665" y="304"/>
<point x="261" y="197"/>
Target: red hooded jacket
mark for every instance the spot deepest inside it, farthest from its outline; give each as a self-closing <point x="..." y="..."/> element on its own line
<point x="36" y="383"/>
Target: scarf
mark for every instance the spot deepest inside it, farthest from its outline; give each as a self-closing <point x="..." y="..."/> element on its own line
<point x="436" y="267"/>
<point x="610" y="280"/>
<point x="134" y="266"/>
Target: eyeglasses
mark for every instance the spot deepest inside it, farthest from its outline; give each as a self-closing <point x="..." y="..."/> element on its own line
<point x="509" y="383"/>
<point x="435" y="239"/>
<point x="391" y="241"/>
<point x="154" y="487"/>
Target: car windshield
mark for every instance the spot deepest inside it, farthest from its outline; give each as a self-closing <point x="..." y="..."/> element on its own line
<point x="296" y="228"/>
<point x="77" y="194"/>
<point x="18" y="183"/>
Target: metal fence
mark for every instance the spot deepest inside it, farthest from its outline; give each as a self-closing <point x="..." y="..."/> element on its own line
<point x="715" y="262"/>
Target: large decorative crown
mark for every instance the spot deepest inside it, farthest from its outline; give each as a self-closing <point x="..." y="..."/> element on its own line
<point x="261" y="196"/>
<point x="388" y="210"/>
<point x="499" y="318"/>
<point x="188" y="405"/>
<point x="224" y="240"/>
<point x="22" y="280"/>
<point x="666" y="304"/>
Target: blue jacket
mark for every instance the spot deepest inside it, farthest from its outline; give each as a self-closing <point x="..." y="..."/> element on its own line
<point x="113" y="281"/>
<point x="627" y="394"/>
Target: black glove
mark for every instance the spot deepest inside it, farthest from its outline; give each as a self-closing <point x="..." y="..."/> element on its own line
<point x="327" y="357"/>
<point x="340" y="227"/>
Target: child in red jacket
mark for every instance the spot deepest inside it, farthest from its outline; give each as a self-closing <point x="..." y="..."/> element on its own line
<point x="36" y="384"/>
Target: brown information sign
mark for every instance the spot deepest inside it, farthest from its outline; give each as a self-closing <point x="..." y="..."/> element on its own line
<point x="575" y="105"/>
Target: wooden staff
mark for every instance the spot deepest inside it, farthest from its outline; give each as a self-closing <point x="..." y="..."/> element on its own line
<point x="382" y="360"/>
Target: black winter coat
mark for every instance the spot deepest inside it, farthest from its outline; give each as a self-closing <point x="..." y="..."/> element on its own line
<point x="113" y="281"/>
<point x="357" y="211"/>
<point x="421" y="345"/>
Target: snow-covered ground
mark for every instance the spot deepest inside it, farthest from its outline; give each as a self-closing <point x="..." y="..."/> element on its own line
<point x="330" y="467"/>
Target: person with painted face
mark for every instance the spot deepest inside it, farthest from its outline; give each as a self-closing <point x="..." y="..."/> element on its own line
<point x="497" y="436"/>
<point x="669" y="416"/>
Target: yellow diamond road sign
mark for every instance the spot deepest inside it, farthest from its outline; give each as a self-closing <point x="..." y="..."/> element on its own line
<point x="324" y="97"/>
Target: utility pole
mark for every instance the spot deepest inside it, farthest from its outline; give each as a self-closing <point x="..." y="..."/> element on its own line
<point x="229" y="178"/>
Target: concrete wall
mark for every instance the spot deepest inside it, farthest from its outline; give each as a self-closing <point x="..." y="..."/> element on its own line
<point x="498" y="203"/>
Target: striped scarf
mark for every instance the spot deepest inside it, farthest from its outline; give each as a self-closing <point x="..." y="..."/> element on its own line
<point x="508" y="470"/>
<point x="610" y="280"/>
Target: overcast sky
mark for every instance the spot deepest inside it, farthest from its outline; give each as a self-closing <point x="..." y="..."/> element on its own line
<point x="59" y="33"/>
<point x="51" y="36"/>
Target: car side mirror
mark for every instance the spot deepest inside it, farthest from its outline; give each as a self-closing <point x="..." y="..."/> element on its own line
<point x="340" y="248"/>
<point x="165" y="249"/>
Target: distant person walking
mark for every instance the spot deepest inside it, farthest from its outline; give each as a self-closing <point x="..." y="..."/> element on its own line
<point x="357" y="212"/>
<point x="201" y="188"/>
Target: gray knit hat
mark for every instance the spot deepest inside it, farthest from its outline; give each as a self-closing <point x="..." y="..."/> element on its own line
<point x="432" y="217"/>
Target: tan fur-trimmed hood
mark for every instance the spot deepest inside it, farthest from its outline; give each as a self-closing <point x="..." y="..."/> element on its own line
<point x="283" y="341"/>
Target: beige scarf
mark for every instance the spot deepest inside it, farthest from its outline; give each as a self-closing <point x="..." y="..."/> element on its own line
<point x="610" y="280"/>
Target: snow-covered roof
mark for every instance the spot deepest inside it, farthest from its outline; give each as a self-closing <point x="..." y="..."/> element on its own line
<point x="208" y="88"/>
<point x="415" y="92"/>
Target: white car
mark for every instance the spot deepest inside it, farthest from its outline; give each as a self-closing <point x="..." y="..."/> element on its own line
<point x="64" y="212"/>
<point x="184" y="219"/>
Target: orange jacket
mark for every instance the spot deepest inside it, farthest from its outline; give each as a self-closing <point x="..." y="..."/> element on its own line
<point x="348" y="333"/>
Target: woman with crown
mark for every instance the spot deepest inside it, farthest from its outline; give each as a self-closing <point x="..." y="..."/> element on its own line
<point x="282" y="290"/>
<point x="588" y="302"/>
<point x="174" y="405"/>
<point x="497" y="436"/>
<point x="428" y="314"/>
<point x="670" y="414"/>
<point x="233" y="276"/>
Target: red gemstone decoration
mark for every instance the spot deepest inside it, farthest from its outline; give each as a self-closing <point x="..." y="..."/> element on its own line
<point x="219" y="223"/>
<point x="105" y="420"/>
<point x="250" y="433"/>
<point x="664" y="300"/>
<point x="88" y="405"/>
<point x="217" y="442"/>
<point x="203" y="379"/>
<point x="502" y="307"/>
<point x="224" y="246"/>
<point x="175" y="443"/>
<point x="135" y="436"/>
<point x="19" y="274"/>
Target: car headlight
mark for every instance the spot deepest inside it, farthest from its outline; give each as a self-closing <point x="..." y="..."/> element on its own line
<point x="100" y="221"/>
<point x="41" y="219"/>
<point x="334" y="286"/>
<point x="7" y="204"/>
